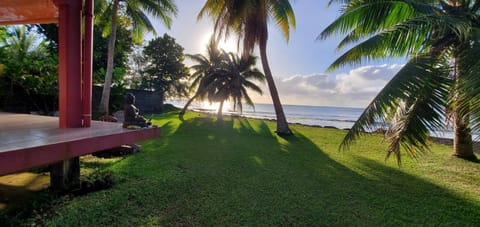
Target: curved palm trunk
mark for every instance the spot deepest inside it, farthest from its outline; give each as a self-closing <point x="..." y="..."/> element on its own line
<point x="282" y="125"/>
<point x="104" y="102"/>
<point x="462" y="141"/>
<point x="220" y="111"/>
<point x="182" y="112"/>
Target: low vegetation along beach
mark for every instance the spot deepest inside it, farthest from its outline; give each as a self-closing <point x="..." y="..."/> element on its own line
<point x="239" y="172"/>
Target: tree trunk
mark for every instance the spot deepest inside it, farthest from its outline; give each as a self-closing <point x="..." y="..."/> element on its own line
<point x="104" y="102"/>
<point x="182" y="112"/>
<point x="462" y="141"/>
<point x="219" y="114"/>
<point x="282" y="125"/>
<point x="194" y="97"/>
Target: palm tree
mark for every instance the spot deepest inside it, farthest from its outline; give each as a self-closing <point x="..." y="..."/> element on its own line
<point x="20" y="42"/>
<point x="248" y="19"/>
<point x="440" y="80"/>
<point x="136" y="11"/>
<point x="223" y="76"/>
<point x="238" y="75"/>
<point x="206" y="72"/>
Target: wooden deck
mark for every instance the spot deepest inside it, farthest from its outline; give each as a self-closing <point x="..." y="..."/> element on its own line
<point x="28" y="141"/>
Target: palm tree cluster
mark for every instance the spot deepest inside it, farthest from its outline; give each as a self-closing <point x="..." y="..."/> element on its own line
<point x="248" y="19"/>
<point x="221" y="76"/>
<point x="438" y="85"/>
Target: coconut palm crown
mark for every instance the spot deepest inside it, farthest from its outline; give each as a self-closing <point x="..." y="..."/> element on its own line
<point x="221" y="76"/>
<point x="438" y="85"/>
<point x="206" y="73"/>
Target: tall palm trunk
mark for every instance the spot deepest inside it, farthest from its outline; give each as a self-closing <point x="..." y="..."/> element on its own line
<point x="198" y="93"/>
<point x="282" y="125"/>
<point x="220" y="111"/>
<point x="104" y="102"/>
<point x="462" y="140"/>
<point x="182" y="112"/>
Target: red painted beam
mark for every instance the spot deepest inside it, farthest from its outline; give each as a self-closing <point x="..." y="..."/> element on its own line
<point x="70" y="63"/>
<point x="87" y="64"/>
<point x="23" y="159"/>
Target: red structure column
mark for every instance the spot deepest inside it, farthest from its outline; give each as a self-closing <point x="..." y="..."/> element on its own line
<point x="66" y="174"/>
<point x="70" y="63"/>
<point x="87" y="64"/>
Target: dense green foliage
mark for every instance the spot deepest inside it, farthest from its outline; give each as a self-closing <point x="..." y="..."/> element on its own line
<point x="205" y="173"/>
<point x="28" y="73"/>
<point x="438" y="82"/>
<point x="164" y="70"/>
<point x="134" y="14"/>
<point x="124" y="46"/>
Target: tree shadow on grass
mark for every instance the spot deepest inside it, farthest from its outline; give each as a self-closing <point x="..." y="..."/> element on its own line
<point x="240" y="173"/>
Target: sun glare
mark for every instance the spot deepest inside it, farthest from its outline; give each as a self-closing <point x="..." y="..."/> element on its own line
<point x="206" y="105"/>
<point x="229" y="45"/>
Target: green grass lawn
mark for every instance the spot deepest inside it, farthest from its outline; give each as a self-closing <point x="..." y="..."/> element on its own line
<point x="238" y="172"/>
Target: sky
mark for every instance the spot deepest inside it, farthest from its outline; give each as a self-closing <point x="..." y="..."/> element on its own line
<point x="299" y="65"/>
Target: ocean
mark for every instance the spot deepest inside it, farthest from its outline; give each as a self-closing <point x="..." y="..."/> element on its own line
<point x="338" y="117"/>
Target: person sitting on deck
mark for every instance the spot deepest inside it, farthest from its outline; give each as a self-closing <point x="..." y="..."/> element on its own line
<point x="132" y="118"/>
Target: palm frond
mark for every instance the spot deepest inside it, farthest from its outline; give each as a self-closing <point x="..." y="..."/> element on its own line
<point x="369" y="17"/>
<point x="393" y="43"/>
<point x="282" y="12"/>
<point x="470" y="81"/>
<point x="410" y="37"/>
<point x="140" y="24"/>
<point x="162" y="9"/>
<point x="415" y="97"/>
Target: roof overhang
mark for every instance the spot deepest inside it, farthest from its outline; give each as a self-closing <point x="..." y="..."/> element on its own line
<point x="28" y="12"/>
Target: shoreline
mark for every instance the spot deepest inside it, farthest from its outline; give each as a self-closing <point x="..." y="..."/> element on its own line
<point x="440" y="140"/>
<point x="434" y="139"/>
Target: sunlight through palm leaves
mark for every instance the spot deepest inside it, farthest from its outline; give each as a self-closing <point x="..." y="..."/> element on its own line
<point x="222" y="76"/>
<point x="248" y="20"/>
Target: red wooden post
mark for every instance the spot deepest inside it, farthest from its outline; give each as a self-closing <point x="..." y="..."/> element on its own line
<point x="87" y="63"/>
<point x="70" y="58"/>
<point x="65" y="174"/>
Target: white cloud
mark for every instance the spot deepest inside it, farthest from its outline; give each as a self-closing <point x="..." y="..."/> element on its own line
<point x="355" y="88"/>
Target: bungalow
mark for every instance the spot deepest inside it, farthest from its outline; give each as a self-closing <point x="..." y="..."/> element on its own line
<point x="28" y="141"/>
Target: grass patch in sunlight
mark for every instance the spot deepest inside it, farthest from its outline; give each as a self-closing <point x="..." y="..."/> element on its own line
<point x="238" y="172"/>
